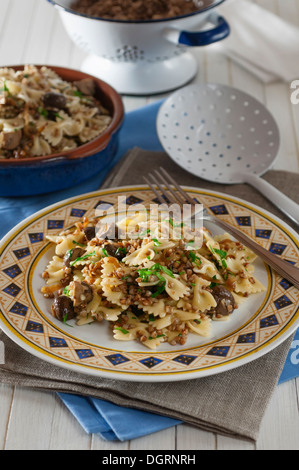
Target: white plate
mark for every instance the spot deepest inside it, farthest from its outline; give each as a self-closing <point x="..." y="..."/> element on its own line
<point x="258" y="326"/>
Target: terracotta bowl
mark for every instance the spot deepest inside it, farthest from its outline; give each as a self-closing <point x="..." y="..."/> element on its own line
<point x="40" y="175"/>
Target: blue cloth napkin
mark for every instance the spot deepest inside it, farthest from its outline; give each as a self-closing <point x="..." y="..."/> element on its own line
<point x="113" y="422"/>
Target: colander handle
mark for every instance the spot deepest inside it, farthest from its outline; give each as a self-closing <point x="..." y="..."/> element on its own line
<point x="201" y="38"/>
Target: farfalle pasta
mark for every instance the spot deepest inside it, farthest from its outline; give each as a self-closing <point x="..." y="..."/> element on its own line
<point x="151" y="290"/>
<point x="42" y="114"/>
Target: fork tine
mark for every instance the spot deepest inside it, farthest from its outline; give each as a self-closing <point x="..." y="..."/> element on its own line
<point x="160" y="198"/>
<point x="177" y="197"/>
<point x="177" y="187"/>
<point x="166" y="193"/>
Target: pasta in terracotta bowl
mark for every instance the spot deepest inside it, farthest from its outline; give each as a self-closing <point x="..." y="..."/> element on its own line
<point x="58" y="127"/>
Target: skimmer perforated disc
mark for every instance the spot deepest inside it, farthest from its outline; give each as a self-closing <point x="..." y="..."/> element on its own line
<point x="218" y="133"/>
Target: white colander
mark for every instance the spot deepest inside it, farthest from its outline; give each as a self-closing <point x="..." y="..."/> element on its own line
<point x="143" y="57"/>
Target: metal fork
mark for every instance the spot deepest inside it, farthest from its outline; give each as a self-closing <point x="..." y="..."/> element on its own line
<point x="164" y="185"/>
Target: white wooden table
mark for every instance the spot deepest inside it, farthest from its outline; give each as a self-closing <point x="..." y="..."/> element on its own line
<point x="31" y="32"/>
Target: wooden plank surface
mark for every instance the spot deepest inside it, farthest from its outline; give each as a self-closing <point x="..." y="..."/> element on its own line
<point x="31" y="32"/>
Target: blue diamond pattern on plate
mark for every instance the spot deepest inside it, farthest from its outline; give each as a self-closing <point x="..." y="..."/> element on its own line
<point x="19" y="309"/>
<point x="244" y="221"/>
<point x="282" y="302"/>
<point x="219" y="210"/>
<point x="277" y="248"/>
<point x="103" y="205"/>
<point x="35" y="327"/>
<point x="157" y="201"/>
<point x="12" y="289"/>
<point x="55" y="224"/>
<point x="268" y="321"/>
<point x="246" y="338"/>
<point x="12" y="271"/>
<point x="262" y="233"/>
<point x="84" y="353"/>
<point x="57" y="342"/>
<point x="151" y="362"/>
<point x="285" y="284"/>
<point x="117" y="359"/>
<point x="36" y="237"/>
<point x="77" y="213"/>
<point x="184" y="359"/>
<point x="133" y="200"/>
<point x="22" y="252"/>
<point x="221" y="351"/>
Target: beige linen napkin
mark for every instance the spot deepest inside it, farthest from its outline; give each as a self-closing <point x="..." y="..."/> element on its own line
<point x="231" y="403"/>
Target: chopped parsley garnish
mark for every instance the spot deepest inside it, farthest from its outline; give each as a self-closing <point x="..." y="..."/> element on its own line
<point x="58" y="116"/>
<point x="81" y="258"/>
<point x="65" y="321"/>
<point x="5" y="87"/>
<point x="214" y="284"/>
<point x="77" y="93"/>
<point x="195" y="259"/>
<point x="222" y="255"/>
<point x="43" y="112"/>
<point x="125" y="332"/>
<point x="145" y="232"/>
<point x="122" y="250"/>
<point x="170" y="220"/>
<point x="159" y="336"/>
<point x="155" y="270"/>
<point x="156" y="242"/>
<point x="105" y="252"/>
<point x="79" y="244"/>
<point x="66" y="291"/>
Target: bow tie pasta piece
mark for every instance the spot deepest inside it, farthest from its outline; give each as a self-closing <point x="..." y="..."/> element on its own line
<point x="55" y="271"/>
<point x="175" y="288"/>
<point x="207" y="268"/>
<point x="157" y="309"/>
<point x="40" y="147"/>
<point x="141" y="255"/>
<point x="202" y="300"/>
<point x="111" y="284"/>
<point x="249" y="286"/>
<point x="201" y="327"/>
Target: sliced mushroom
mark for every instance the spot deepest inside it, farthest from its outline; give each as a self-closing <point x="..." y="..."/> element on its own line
<point x="54" y="100"/>
<point x="86" y="86"/>
<point x="83" y="293"/>
<point x="90" y="232"/>
<point x="225" y="301"/>
<point x="10" y="140"/>
<point x="63" y="308"/>
<point x="72" y="255"/>
<point x="115" y="250"/>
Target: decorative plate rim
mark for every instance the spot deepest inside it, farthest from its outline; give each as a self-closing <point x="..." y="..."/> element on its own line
<point x="150" y="374"/>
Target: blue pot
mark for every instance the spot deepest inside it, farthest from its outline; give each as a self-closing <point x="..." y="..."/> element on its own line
<point x="40" y="175"/>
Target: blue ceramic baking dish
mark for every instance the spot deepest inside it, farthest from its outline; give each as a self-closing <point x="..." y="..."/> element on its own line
<point x="40" y="175"/>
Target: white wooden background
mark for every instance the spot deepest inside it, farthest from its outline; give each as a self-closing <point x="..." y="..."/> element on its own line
<point x="31" y="32"/>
